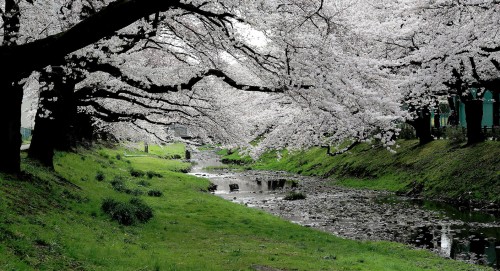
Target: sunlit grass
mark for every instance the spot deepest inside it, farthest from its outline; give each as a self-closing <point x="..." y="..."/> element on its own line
<point x="48" y="223"/>
<point x="445" y="169"/>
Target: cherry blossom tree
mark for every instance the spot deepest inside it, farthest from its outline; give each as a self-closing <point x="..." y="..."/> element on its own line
<point x="443" y="48"/>
<point x="325" y="77"/>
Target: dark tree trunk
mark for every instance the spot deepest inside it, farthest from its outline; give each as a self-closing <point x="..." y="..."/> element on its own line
<point x="42" y="145"/>
<point x="10" y="127"/>
<point x="53" y="131"/>
<point x="422" y="125"/>
<point x="11" y="99"/>
<point x="474" y="117"/>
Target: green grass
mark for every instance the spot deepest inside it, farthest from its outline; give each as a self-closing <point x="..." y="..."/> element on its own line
<point x="446" y="170"/>
<point x="53" y="221"/>
<point x="234" y="157"/>
<point x="173" y="150"/>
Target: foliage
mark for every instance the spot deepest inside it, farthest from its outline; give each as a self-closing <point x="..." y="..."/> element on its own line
<point x="127" y="213"/>
<point x="99" y="176"/>
<point x="155" y="193"/>
<point x="295" y="196"/>
<point x="152" y="174"/>
<point x="456" y="134"/>
<point x="234" y="157"/>
<point x="136" y="173"/>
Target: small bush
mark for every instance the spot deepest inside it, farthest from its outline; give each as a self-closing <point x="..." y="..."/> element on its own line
<point x="133" y="192"/>
<point x="152" y="174"/>
<point x="143" y="183"/>
<point x="118" y="185"/>
<point x="104" y="154"/>
<point x="127" y="213"/>
<point x="155" y="193"/>
<point x="143" y="212"/>
<point x="136" y="173"/>
<point x="99" y="176"/>
<point x="118" y="157"/>
<point x="176" y="156"/>
<point x="295" y="196"/>
<point x="456" y="134"/>
<point x="108" y="205"/>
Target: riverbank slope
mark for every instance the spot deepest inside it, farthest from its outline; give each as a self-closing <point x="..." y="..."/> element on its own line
<point x="54" y="220"/>
<point x="437" y="170"/>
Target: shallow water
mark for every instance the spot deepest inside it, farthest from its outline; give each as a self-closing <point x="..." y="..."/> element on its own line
<point x="362" y="214"/>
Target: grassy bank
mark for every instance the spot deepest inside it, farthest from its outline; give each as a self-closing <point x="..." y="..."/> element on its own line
<point x="436" y="170"/>
<point x="53" y="221"/>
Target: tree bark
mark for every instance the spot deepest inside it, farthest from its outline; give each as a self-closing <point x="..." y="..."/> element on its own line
<point x="22" y="59"/>
<point x="10" y="124"/>
<point x="474" y="117"/>
<point x="54" y="131"/>
<point x="422" y="125"/>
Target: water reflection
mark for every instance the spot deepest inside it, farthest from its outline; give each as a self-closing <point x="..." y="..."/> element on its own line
<point x="479" y="245"/>
<point x="452" y="231"/>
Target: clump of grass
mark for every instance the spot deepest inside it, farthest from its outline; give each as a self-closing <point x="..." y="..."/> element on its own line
<point x="143" y="183"/>
<point x="118" y="157"/>
<point x="118" y="184"/>
<point x="99" y="176"/>
<point x="295" y="196"/>
<point x="127" y="213"/>
<point x="152" y="174"/>
<point x="456" y="135"/>
<point x="136" y="173"/>
<point x="155" y="193"/>
<point x="133" y="192"/>
<point x="176" y="156"/>
<point x="104" y="154"/>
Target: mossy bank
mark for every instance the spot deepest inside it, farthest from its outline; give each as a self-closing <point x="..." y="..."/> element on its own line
<point x="67" y="219"/>
<point x="437" y="170"/>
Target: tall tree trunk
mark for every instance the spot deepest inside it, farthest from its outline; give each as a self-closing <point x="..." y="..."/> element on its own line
<point x="422" y="125"/>
<point x="42" y="141"/>
<point x="10" y="126"/>
<point x="474" y="117"/>
<point x="11" y="99"/>
<point x="55" y="116"/>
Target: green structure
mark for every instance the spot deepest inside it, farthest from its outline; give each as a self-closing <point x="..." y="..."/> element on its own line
<point x="491" y="111"/>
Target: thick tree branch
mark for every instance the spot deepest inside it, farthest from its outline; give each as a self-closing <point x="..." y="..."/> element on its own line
<point x="22" y="59"/>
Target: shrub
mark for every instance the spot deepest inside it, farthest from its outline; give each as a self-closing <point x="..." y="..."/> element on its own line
<point x="143" y="212"/>
<point x="108" y="205"/>
<point x="155" y="193"/>
<point x="118" y="157"/>
<point x="134" y="192"/>
<point x="127" y="213"/>
<point x="407" y="132"/>
<point x="136" y="173"/>
<point x="143" y="183"/>
<point x="455" y="134"/>
<point x="118" y="184"/>
<point x="152" y="174"/>
<point x="104" y="154"/>
<point x="99" y="176"/>
<point x="295" y="196"/>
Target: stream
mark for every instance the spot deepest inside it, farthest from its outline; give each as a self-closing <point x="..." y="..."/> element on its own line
<point x="465" y="235"/>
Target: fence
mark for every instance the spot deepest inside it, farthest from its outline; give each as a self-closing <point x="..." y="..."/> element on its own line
<point x="445" y="132"/>
<point x="450" y="132"/>
<point x="25" y="133"/>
